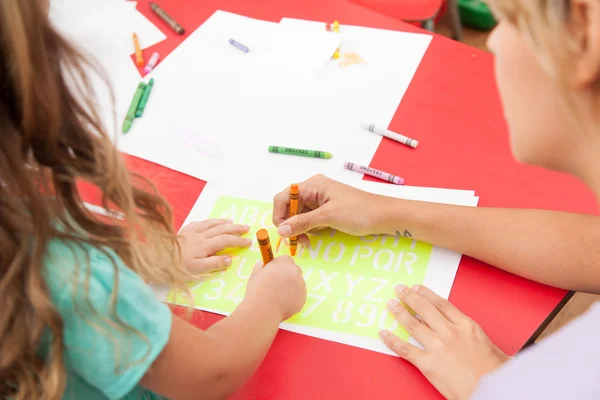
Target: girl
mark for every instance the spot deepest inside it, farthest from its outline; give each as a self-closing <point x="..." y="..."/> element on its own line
<point x="78" y="320"/>
<point x="548" y="74"/>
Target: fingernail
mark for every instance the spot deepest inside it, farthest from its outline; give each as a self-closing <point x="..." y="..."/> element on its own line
<point x="228" y="261"/>
<point x="384" y="333"/>
<point x="393" y="304"/>
<point x="229" y="220"/>
<point x="416" y="287"/>
<point x="247" y="227"/>
<point x="284" y="230"/>
<point x="258" y="264"/>
<point x="248" y="241"/>
<point x="399" y="288"/>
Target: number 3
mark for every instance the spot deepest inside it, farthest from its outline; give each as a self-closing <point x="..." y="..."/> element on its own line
<point x="218" y="290"/>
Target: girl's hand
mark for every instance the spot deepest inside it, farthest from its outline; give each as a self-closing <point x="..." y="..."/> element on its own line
<point x="456" y="354"/>
<point x="325" y="203"/>
<point x="200" y="241"/>
<point x="280" y="284"/>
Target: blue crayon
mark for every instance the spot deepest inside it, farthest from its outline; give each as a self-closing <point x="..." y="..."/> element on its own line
<point x="239" y="45"/>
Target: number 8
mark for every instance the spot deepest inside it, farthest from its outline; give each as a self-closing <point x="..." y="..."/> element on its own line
<point x="340" y="310"/>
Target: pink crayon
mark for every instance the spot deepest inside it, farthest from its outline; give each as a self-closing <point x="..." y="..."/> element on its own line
<point x="374" y="172"/>
<point x="152" y="62"/>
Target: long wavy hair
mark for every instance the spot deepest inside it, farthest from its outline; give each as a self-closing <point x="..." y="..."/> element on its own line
<point x="52" y="139"/>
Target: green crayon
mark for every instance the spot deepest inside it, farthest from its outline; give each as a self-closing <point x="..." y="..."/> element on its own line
<point x="300" y="152"/>
<point x="133" y="107"/>
<point x="144" y="99"/>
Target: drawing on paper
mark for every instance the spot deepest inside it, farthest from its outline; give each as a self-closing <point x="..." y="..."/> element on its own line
<point x="349" y="279"/>
<point x="350" y="59"/>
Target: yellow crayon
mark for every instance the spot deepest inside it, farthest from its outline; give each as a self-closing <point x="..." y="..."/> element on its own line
<point x="336" y="29"/>
<point x="336" y="26"/>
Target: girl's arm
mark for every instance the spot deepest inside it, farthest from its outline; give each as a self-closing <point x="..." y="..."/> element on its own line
<point x="212" y="364"/>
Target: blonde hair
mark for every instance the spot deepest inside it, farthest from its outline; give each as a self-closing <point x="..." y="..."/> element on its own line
<point x="50" y="142"/>
<point x="544" y="25"/>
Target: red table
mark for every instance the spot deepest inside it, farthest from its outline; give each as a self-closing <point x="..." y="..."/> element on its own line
<point x="405" y="10"/>
<point x="452" y="107"/>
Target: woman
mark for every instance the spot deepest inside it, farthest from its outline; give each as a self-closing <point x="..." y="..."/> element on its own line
<point x="548" y="74"/>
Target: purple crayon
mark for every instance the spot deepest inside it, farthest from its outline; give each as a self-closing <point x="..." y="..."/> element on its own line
<point x="240" y="46"/>
<point x="374" y="172"/>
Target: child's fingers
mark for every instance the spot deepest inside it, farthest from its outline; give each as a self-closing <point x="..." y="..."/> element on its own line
<point x="222" y="242"/>
<point x="226" y="229"/>
<point x="257" y="268"/>
<point x="201" y="226"/>
<point x="209" y="264"/>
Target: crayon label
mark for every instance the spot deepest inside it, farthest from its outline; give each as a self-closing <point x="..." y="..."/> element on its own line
<point x="371" y="170"/>
<point x="296" y="151"/>
<point x="349" y="279"/>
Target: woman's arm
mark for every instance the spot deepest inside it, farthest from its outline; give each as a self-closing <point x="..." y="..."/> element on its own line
<point x="556" y="248"/>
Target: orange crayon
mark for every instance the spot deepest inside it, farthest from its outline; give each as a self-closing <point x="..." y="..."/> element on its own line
<point x="138" y="51"/>
<point x="294" y="194"/>
<point x="265" y="246"/>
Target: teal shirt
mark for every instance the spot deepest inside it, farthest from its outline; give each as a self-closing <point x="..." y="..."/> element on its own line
<point x="103" y="362"/>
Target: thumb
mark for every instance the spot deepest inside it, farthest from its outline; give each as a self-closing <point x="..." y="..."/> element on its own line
<point x="256" y="270"/>
<point x="302" y="223"/>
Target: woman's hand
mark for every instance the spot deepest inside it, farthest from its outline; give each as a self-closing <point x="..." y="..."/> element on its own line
<point x="200" y="241"/>
<point x="327" y="203"/>
<point x="456" y="354"/>
<point x="280" y="284"/>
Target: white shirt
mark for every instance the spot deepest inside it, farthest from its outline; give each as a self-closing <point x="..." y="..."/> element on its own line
<point x="564" y="366"/>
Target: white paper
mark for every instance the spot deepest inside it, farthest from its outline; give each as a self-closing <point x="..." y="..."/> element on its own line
<point x="217" y="100"/>
<point x="84" y="23"/>
<point x="90" y="16"/>
<point x="269" y="188"/>
<point x="440" y="273"/>
<point x="327" y="116"/>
